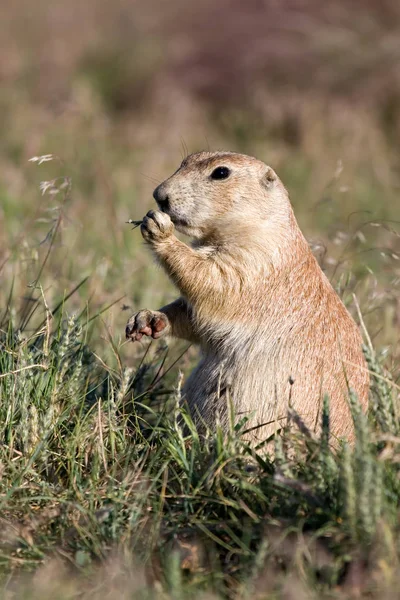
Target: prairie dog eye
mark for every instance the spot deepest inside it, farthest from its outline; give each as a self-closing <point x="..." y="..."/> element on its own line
<point x="220" y="173"/>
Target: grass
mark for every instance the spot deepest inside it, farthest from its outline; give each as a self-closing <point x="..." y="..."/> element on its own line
<point x="103" y="491"/>
<point x="96" y="482"/>
<point x="106" y="489"/>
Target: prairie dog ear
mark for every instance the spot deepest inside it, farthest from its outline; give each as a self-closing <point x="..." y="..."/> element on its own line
<point x="269" y="178"/>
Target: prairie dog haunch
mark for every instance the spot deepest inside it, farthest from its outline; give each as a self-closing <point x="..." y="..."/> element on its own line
<point x="272" y="330"/>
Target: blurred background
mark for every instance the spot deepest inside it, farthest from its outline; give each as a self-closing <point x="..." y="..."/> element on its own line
<point x="118" y="92"/>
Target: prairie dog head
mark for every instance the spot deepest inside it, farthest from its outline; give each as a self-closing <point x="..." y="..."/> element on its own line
<point x="213" y="189"/>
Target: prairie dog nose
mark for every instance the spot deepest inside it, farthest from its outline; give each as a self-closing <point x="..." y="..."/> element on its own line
<point x="161" y="197"/>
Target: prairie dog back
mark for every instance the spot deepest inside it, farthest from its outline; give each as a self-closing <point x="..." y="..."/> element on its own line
<point x="272" y="330"/>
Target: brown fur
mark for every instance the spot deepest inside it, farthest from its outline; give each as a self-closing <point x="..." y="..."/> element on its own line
<point x="272" y="330"/>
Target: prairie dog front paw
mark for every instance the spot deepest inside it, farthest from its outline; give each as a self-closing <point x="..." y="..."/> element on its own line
<point x="156" y="227"/>
<point x="147" y="322"/>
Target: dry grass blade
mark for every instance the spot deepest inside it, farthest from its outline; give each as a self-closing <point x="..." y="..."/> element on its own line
<point x="134" y="223"/>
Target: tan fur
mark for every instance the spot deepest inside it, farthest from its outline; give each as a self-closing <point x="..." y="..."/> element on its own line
<point x="272" y="330"/>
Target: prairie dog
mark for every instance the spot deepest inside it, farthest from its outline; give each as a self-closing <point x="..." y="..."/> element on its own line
<point x="272" y="330"/>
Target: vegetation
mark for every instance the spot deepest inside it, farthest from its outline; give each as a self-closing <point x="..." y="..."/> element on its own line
<point x="106" y="490"/>
<point x="92" y="475"/>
